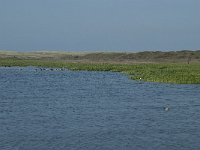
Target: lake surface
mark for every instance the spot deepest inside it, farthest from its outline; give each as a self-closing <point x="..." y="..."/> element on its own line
<point x="69" y="110"/>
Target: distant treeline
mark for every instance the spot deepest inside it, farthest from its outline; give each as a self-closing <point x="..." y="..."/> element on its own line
<point x="185" y="56"/>
<point x="152" y="56"/>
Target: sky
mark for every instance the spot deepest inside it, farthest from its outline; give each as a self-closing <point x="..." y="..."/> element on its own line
<point x="99" y="25"/>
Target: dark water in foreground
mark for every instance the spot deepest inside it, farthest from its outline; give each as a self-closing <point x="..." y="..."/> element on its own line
<point x="65" y="110"/>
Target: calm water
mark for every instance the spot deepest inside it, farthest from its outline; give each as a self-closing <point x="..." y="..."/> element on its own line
<point x="65" y="110"/>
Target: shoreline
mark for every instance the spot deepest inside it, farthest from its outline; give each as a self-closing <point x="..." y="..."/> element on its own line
<point x="180" y="67"/>
<point x="177" y="73"/>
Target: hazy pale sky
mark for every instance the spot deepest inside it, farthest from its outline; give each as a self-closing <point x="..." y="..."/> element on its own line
<point x="99" y="25"/>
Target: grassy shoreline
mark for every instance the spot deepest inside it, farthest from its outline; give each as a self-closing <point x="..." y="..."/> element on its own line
<point x="164" y="72"/>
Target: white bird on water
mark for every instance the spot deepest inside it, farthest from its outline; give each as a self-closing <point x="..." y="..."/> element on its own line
<point x="166" y="108"/>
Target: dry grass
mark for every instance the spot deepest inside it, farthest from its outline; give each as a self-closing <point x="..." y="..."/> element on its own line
<point x="108" y="57"/>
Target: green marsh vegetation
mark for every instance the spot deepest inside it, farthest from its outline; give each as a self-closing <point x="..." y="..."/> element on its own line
<point x="180" y="73"/>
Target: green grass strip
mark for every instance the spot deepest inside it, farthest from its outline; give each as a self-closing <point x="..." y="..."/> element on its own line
<point x="165" y="73"/>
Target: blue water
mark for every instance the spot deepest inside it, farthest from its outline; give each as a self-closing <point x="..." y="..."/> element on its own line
<point x="66" y="110"/>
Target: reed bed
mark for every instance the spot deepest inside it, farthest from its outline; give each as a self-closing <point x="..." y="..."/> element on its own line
<point x="165" y="73"/>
